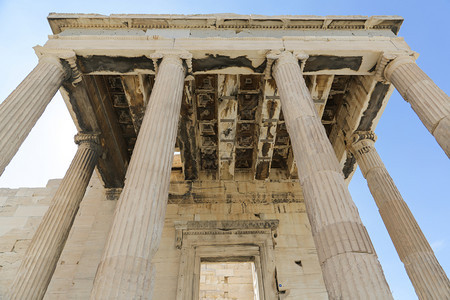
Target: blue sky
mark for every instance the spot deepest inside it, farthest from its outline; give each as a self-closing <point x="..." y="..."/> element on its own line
<point x="415" y="161"/>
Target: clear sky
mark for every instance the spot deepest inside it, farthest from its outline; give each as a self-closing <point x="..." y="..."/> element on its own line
<point x="417" y="164"/>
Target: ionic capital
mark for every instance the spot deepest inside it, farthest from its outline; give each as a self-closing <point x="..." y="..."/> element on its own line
<point x="381" y="66"/>
<point x="360" y="142"/>
<point x="174" y="56"/>
<point x="59" y="57"/>
<point x="91" y="140"/>
<point x="395" y="62"/>
<point x="71" y="59"/>
<point x="283" y="57"/>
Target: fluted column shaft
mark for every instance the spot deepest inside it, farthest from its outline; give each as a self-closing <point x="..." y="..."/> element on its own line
<point x="23" y="107"/>
<point x="426" y="274"/>
<point x="125" y="270"/>
<point x="350" y="266"/>
<point x="46" y="246"/>
<point x="429" y="102"/>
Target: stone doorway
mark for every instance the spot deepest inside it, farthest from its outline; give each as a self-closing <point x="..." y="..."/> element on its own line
<point x="238" y="241"/>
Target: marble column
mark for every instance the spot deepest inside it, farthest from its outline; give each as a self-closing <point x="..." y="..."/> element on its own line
<point x="349" y="264"/>
<point x="426" y="274"/>
<point x="24" y="106"/>
<point x="429" y="102"/>
<point x="42" y="255"/>
<point x="125" y="270"/>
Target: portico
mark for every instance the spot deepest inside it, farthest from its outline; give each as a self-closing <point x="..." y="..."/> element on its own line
<point x="261" y="102"/>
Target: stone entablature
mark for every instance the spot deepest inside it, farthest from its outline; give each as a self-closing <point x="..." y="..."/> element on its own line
<point x="120" y="51"/>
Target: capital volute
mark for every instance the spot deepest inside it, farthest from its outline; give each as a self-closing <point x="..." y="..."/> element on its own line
<point x="279" y="57"/>
<point x="63" y="58"/>
<point x="71" y="59"/>
<point x="271" y="56"/>
<point x="361" y="140"/>
<point x="175" y="56"/>
<point x="384" y="59"/>
<point x="91" y="140"/>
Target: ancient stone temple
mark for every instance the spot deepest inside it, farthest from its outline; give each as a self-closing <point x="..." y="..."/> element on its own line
<point x="222" y="147"/>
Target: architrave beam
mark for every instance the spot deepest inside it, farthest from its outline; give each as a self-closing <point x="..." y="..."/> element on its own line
<point x="135" y="99"/>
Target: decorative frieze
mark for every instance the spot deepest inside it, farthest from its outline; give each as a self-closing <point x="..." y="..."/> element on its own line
<point x="236" y="227"/>
<point x="232" y="225"/>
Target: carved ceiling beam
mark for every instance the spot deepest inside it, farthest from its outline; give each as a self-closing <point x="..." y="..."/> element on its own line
<point x="291" y="165"/>
<point x="91" y="108"/>
<point x="116" y="93"/>
<point x="361" y="109"/>
<point x="227" y="119"/>
<point x="355" y="103"/>
<point x="145" y="86"/>
<point x="114" y="162"/>
<point x="369" y="120"/>
<point x="187" y="133"/>
<point x="320" y="89"/>
<point x="268" y="117"/>
<point x="135" y="99"/>
<point x="249" y="98"/>
<point x="81" y="106"/>
<point x="207" y="106"/>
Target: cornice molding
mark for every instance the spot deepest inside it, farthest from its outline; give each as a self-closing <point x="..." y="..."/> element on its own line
<point x="235" y="227"/>
<point x="61" y="22"/>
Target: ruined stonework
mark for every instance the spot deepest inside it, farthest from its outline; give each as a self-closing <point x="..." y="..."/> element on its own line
<point x="236" y="280"/>
<point x="21" y="211"/>
<point x="219" y="149"/>
<point x="294" y="253"/>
